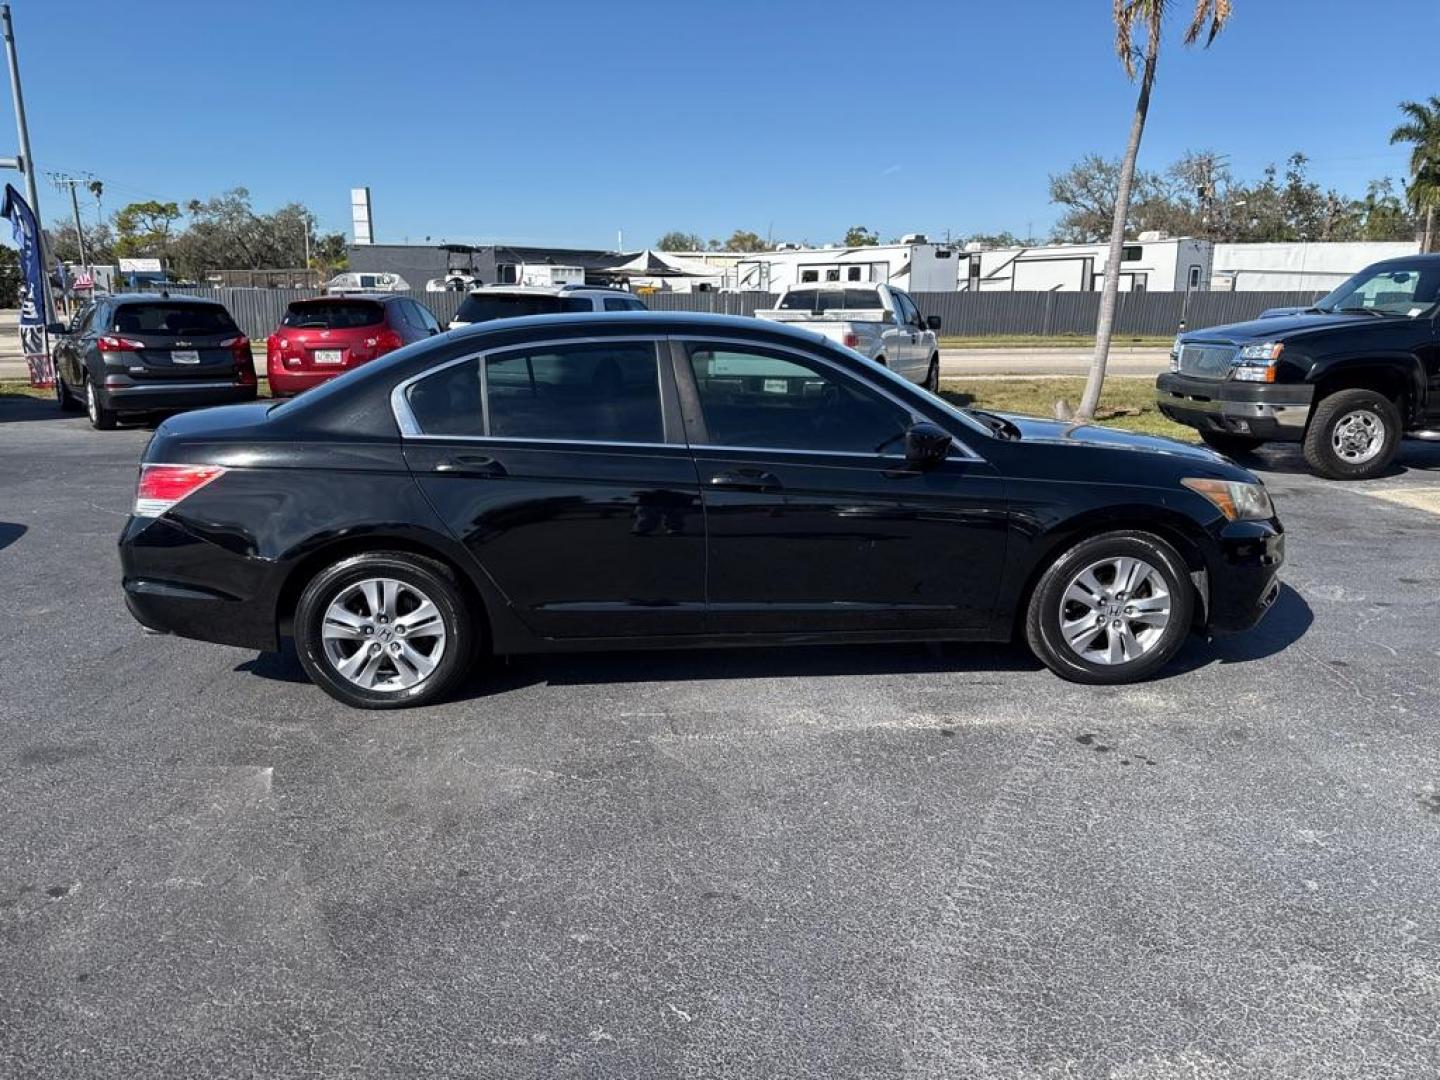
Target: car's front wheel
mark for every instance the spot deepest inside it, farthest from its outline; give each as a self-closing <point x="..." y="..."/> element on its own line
<point x="932" y="375"/>
<point x="1114" y="608"/>
<point x="384" y="630"/>
<point x="63" y="397"/>
<point x="1353" y="435"/>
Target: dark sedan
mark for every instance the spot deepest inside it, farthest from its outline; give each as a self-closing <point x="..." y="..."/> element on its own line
<point x="139" y="353"/>
<point x="661" y="479"/>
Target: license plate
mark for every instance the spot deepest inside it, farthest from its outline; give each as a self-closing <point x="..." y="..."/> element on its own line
<point x="329" y="356"/>
<point x="184" y="356"/>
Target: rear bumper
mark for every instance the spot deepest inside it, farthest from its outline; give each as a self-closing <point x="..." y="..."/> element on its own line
<point x="284" y="381"/>
<point x="1244" y="580"/>
<point x="1259" y="410"/>
<point x="160" y="396"/>
<point x="163" y="566"/>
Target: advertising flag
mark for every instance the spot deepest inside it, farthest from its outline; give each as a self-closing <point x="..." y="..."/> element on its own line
<point x="33" y="342"/>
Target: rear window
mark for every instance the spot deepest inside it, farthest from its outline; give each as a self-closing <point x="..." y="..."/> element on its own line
<point x="177" y="320"/>
<point x="831" y="299"/>
<point x="483" y="308"/>
<point x="333" y="314"/>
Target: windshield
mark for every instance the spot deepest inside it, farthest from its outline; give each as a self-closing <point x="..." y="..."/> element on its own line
<point x="482" y="307"/>
<point x="830" y="299"/>
<point x="1409" y="289"/>
<point x="333" y="314"/>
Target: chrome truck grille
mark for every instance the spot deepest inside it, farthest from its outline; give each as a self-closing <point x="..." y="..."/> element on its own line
<point x="1206" y="361"/>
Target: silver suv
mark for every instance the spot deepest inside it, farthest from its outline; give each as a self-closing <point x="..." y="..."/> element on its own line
<point x="511" y="301"/>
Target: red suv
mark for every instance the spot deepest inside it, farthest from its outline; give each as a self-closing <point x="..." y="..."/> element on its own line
<point x="321" y="337"/>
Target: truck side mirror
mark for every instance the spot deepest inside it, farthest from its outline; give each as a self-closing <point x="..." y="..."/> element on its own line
<point x="932" y="321"/>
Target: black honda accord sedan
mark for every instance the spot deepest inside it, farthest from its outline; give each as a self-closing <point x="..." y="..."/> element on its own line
<point x="657" y="479"/>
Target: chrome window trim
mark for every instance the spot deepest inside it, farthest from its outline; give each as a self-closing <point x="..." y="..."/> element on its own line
<point x="545" y="443"/>
<point x="410" y="427"/>
<point x="968" y="454"/>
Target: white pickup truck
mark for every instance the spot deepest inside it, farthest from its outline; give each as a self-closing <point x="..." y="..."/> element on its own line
<point x="878" y="321"/>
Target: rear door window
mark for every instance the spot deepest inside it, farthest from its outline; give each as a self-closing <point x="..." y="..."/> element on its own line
<point x="623" y="303"/>
<point x="161" y="319"/>
<point x="333" y="314"/>
<point x="606" y="392"/>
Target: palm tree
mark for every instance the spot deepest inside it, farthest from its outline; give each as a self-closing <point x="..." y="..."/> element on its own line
<point x="1423" y="130"/>
<point x="1131" y="16"/>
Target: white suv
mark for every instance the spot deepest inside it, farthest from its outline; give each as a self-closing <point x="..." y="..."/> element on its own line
<point x="511" y="301"/>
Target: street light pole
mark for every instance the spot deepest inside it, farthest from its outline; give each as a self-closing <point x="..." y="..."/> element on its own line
<point x="24" y="162"/>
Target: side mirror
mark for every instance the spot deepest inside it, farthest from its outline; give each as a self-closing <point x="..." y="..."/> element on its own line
<point x="56" y="328"/>
<point x="932" y="321"/>
<point x="926" y="445"/>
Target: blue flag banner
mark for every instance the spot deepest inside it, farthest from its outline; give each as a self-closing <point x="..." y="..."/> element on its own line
<point x="33" y="342"/>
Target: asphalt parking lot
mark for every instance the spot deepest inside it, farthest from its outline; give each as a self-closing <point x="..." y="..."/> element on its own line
<point x="868" y="862"/>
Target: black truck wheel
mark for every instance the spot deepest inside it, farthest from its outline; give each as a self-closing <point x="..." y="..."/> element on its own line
<point x="1353" y="435"/>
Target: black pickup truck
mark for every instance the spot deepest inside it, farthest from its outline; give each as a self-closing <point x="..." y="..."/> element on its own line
<point x="1348" y="377"/>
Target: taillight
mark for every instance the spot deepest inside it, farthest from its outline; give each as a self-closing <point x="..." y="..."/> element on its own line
<point x="851" y="340"/>
<point x="385" y="341"/>
<point x="244" y="360"/>
<point x="162" y="486"/>
<point x="111" y="343"/>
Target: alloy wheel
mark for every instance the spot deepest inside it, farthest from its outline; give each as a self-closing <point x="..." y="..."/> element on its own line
<point x="92" y="403"/>
<point x="383" y="635"/>
<point x="1115" y="610"/>
<point x="1358" y="436"/>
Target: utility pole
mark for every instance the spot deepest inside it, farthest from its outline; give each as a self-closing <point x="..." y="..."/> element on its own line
<point x="23" y="161"/>
<point x="62" y="181"/>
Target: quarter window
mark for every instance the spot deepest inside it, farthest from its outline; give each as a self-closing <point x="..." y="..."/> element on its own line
<point x="766" y="400"/>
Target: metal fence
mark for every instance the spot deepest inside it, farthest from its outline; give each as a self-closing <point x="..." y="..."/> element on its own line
<point x="967" y="314"/>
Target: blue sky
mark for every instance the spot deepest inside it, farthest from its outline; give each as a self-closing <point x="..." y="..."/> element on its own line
<point x="563" y="123"/>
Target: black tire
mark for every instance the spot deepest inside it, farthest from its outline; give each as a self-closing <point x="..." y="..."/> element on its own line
<point x="63" y="397"/>
<point x="1048" y="608"/>
<point x="1332" y="415"/>
<point x="429" y="579"/>
<point x="932" y="376"/>
<point x="102" y="417"/>
<point x="1231" y="445"/>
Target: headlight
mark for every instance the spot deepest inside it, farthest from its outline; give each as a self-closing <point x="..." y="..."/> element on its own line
<point x="1237" y="501"/>
<point x="1256" y="363"/>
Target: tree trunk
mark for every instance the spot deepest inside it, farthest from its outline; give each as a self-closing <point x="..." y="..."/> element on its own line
<point x="1110" y="297"/>
<point x="1427" y="242"/>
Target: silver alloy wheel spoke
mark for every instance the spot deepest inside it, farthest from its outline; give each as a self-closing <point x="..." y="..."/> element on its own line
<point x="1358" y="436"/>
<point x="1115" y="611"/>
<point x="384" y="635"/>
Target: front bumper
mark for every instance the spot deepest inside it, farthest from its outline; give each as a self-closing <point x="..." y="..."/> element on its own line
<point x="1244" y="576"/>
<point x="1274" y="413"/>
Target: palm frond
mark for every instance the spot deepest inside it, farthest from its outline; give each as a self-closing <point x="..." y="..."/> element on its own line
<point x="1214" y="12"/>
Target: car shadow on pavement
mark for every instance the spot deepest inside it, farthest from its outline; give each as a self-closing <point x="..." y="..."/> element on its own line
<point x="505" y="674"/>
<point x="15" y="408"/>
<point x="10" y="531"/>
<point x="1288" y="459"/>
<point x="1286" y="623"/>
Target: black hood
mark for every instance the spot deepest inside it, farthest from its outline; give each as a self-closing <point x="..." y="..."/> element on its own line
<point x="1276" y="327"/>
<point x="1034" y="429"/>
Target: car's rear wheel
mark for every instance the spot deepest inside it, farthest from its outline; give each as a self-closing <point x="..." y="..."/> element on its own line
<point x="1353" y="435"/>
<point x="102" y="418"/>
<point x="384" y="630"/>
<point x="932" y="376"/>
<point x="1112" y="609"/>
<point x="1231" y="445"/>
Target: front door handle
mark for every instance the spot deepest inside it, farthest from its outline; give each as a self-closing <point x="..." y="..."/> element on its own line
<point x="472" y="464"/>
<point x="746" y="480"/>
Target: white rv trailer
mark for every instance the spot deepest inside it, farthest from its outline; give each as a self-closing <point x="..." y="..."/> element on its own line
<point x="1152" y="263"/>
<point x="916" y="266"/>
<point x="1298" y="266"/>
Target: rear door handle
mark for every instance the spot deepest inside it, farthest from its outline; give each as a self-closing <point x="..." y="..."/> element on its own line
<point x="472" y="464"/>
<point x="746" y="480"/>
